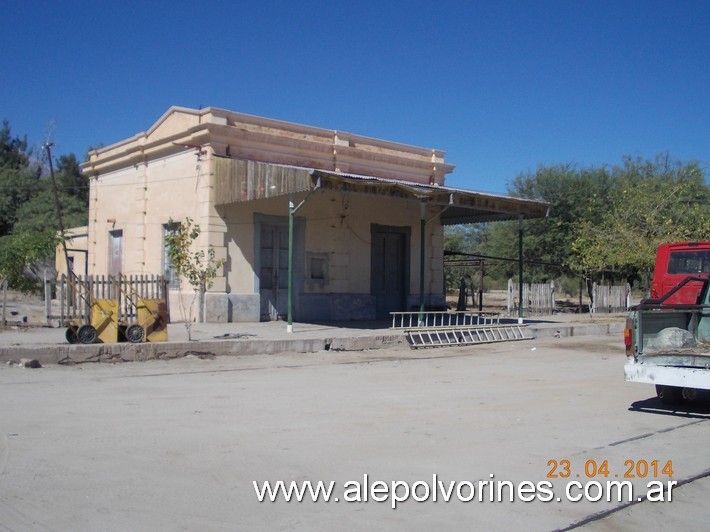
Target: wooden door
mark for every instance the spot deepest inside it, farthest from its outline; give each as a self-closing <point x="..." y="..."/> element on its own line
<point x="273" y="272"/>
<point x="389" y="271"/>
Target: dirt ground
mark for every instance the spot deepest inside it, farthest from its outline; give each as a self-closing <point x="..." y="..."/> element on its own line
<point x="23" y="309"/>
<point x="177" y="445"/>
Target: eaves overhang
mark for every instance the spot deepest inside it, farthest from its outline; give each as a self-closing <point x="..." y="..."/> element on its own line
<point x="240" y="180"/>
<point x="459" y="206"/>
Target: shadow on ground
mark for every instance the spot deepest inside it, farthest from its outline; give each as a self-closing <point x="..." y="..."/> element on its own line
<point x="698" y="408"/>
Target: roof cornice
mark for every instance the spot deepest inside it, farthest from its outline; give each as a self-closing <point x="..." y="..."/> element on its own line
<point x="253" y="137"/>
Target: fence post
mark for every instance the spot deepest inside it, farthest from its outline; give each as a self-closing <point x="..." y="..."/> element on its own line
<point x="47" y="299"/>
<point x="4" y="303"/>
<point x="628" y="296"/>
<point x="511" y="301"/>
<point x="62" y="309"/>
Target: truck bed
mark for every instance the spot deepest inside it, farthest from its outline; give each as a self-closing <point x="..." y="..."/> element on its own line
<point x="671" y="347"/>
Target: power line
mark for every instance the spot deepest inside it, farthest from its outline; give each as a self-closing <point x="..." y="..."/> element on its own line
<point x="506" y="259"/>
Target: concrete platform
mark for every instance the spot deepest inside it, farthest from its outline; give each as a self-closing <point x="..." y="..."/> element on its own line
<point x="218" y="339"/>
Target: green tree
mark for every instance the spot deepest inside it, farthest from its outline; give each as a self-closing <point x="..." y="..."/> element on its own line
<point x="653" y="202"/>
<point x="465" y="238"/>
<point x="468" y="238"/>
<point x="70" y="179"/>
<point x="19" y="252"/>
<point x="13" y="150"/>
<point x="39" y="213"/>
<point x="28" y="217"/>
<point x="575" y="195"/>
<point x="17" y="181"/>
<point x="17" y="186"/>
<point x="197" y="267"/>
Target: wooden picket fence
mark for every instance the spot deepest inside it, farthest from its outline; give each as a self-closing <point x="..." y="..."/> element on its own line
<point x="610" y="298"/>
<point x="538" y="298"/>
<point x="75" y="294"/>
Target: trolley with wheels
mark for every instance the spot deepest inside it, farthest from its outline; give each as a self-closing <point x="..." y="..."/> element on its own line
<point x="114" y="309"/>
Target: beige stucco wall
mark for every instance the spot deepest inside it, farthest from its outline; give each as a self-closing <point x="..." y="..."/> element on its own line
<point x="140" y="200"/>
<point x="339" y="226"/>
<point x="77" y="242"/>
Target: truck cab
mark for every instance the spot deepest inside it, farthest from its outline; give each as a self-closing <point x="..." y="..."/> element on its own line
<point x="675" y="262"/>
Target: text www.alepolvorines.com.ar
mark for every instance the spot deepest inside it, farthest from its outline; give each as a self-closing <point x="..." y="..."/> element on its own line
<point x="482" y="491"/>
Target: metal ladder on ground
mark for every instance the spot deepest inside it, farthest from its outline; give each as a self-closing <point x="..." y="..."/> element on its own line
<point x="452" y="336"/>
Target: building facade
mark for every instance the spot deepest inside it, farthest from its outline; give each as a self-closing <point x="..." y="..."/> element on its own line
<point x="367" y="215"/>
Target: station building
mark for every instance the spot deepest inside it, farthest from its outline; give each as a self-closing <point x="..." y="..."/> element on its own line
<point x="368" y="215"/>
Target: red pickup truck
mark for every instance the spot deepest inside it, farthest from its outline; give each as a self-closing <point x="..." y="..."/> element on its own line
<point x="667" y="337"/>
<point x="675" y="262"/>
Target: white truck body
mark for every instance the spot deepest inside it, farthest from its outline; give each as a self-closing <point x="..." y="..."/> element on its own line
<point x="680" y="376"/>
<point x="669" y="346"/>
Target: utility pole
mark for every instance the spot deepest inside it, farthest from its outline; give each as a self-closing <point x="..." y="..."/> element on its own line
<point x="520" y="269"/>
<point x="292" y="209"/>
<point x="422" y="262"/>
<point x="289" y="312"/>
<point x="58" y="206"/>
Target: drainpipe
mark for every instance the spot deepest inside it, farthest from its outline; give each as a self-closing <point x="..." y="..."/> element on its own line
<point x="520" y="269"/>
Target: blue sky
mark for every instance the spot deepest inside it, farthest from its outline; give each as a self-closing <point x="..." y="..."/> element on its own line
<point x="501" y="86"/>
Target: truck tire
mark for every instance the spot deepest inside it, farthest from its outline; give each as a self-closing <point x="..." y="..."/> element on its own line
<point x="670" y="395"/>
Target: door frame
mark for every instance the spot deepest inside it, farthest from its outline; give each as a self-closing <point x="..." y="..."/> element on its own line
<point x="115" y="236"/>
<point x="299" y="241"/>
<point x="405" y="231"/>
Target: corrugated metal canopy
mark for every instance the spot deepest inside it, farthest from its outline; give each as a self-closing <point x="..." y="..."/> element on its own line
<point x="459" y="206"/>
<point x="239" y="180"/>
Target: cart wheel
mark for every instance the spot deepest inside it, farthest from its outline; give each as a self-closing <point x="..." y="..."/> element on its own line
<point x="70" y="335"/>
<point x="86" y="334"/>
<point x="135" y="333"/>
